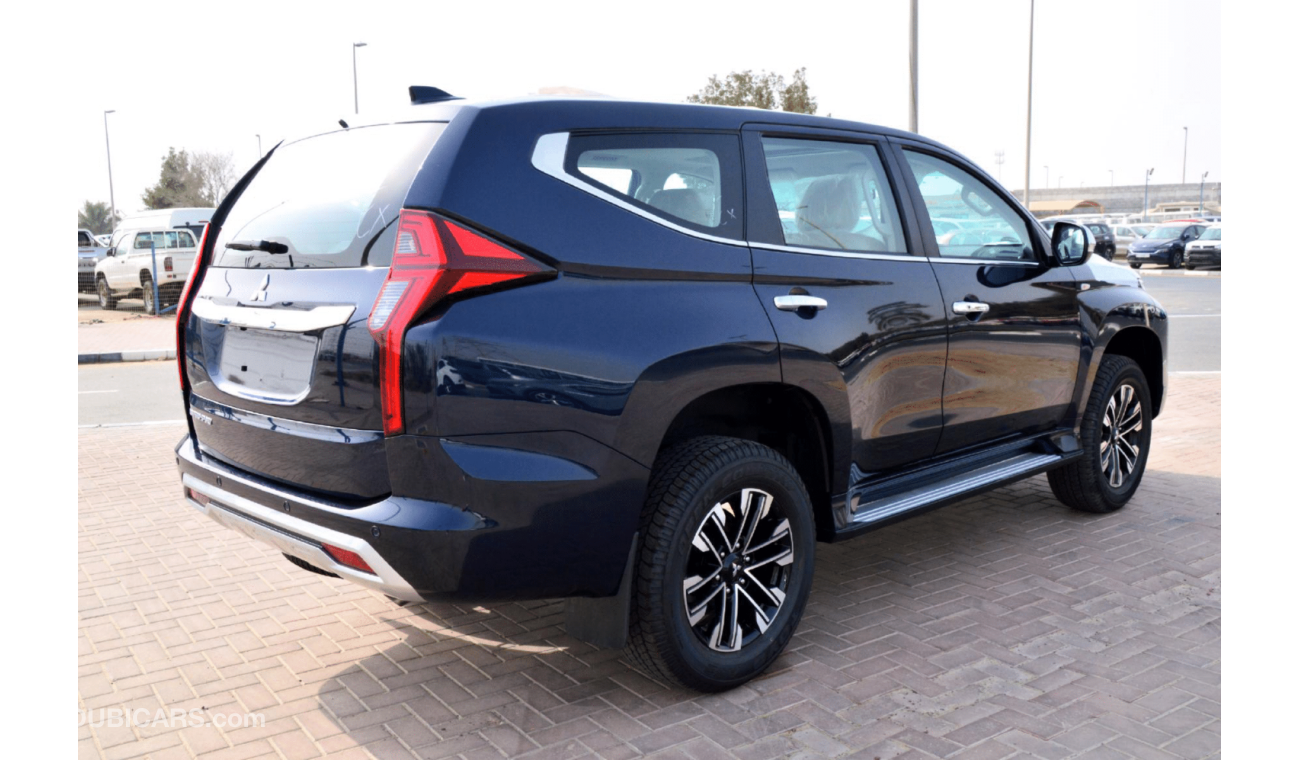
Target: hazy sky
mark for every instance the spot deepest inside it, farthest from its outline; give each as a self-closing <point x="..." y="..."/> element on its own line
<point x="1114" y="83"/>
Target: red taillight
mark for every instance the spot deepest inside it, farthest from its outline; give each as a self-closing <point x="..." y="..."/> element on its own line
<point x="182" y="306"/>
<point x="432" y="258"/>
<point x="167" y="264"/>
<point x="345" y="557"/>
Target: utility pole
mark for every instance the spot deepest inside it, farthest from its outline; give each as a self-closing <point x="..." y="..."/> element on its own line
<point x="999" y="158"/>
<point x="912" y="55"/>
<point x="112" y="219"/>
<point x="1059" y="180"/>
<point x="1112" y="177"/>
<point x="1146" y="193"/>
<point x="1047" y="177"/>
<point x="1029" y="107"/>
<point x="1202" y="202"/>
<point x="1184" y="155"/>
<point x="356" y="106"/>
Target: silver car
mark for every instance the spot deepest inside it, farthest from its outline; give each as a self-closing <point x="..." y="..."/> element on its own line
<point x="1126" y="234"/>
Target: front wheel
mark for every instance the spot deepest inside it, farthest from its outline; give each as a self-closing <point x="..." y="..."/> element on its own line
<point x="1136" y="266"/>
<point x="1177" y="261"/>
<point x="1116" y="438"/>
<point x="106" y="299"/>
<point x="725" y="565"/>
<point x="146" y="286"/>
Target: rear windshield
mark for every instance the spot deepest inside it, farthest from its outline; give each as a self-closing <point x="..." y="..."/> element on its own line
<point x="327" y="198"/>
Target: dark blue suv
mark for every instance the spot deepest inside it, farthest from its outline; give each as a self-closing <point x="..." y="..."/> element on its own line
<point x="641" y="356"/>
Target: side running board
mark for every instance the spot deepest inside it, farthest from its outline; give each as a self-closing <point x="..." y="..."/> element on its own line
<point x="869" y="511"/>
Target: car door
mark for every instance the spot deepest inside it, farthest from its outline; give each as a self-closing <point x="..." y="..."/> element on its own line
<point x="1014" y="337"/>
<point x="855" y="306"/>
<point x="115" y="267"/>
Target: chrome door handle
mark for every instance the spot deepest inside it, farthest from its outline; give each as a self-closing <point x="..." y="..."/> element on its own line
<point x="969" y="307"/>
<point x="795" y="303"/>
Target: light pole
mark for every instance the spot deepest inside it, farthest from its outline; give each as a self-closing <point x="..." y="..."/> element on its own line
<point x="1047" y="178"/>
<point x="356" y="104"/>
<point x="1202" y="202"/>
<point x="912" y="57"/>
<point x="1029" y="98"/>
<point x="999" y="158"/>
<point x="259" y="146"/>
<point x="1112" y="177"/>
<point x="1184" y="155"/>
<point x="1058" y="181"/>
<point x="112" y="219"/>
<point x="1145" y="193"/>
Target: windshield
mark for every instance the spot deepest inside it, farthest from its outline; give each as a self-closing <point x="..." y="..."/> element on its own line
<point x="1099" y="229"/>
<point x="1212" y="234"/>
<point x="326" y="197"/>
<point x="1165" y="233"/>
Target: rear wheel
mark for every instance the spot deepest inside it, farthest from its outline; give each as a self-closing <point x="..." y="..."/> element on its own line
<point x="106" y="299"/>
<point x="1136" y="266"/>
<point x="146" y="287"/>
<point x="1116" y="437"/>
<point x="725" y="564"/>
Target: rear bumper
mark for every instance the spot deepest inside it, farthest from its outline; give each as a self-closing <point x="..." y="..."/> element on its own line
<point x="541" y="537"/>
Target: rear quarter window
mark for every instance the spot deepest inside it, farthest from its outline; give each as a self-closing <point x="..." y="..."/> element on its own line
<point x="327" y="198"/>
<point x="687" y="179"/>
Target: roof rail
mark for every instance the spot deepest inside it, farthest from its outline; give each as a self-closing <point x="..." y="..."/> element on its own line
<point x="429" y="95"/>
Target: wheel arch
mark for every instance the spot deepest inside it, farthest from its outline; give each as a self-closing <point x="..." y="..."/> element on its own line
<point x="782" y="417"/>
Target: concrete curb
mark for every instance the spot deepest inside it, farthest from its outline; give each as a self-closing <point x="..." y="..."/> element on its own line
<point x="144" y="355"/>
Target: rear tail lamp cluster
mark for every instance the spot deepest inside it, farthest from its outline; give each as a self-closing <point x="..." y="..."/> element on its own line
<point x="183" y="306"/>
<point x="167" y="264"/>
<point x="433" y="258"/>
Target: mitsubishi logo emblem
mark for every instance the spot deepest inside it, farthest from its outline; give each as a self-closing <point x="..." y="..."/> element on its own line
<point x="260" y="293"/>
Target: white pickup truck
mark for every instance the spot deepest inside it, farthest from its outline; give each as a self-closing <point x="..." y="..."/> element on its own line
<point x="89" y="252"/>
<point x="126" y="271"/>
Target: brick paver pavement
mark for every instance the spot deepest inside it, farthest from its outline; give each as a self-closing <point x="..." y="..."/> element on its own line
<point x="1004" y="626"/>
<point x="142" y="332"/>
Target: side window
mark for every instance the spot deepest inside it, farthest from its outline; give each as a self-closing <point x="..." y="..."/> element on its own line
<point x="83" y="240"/>
<point x="832" y="195"/>
<point x="687" y="179"/>
<point x="186" y="240"/>
<point x="142" y="240"/>
<point x="171" y="239"/>
<point x="983" y="226"/>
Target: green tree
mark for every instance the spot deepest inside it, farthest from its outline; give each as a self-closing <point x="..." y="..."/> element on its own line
<point x="761" y="90"/>
<point x="95" y="217"/>
<point x="178" y="185"/>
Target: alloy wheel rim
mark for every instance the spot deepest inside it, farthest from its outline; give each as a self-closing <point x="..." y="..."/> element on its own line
<point x="738" y="570"/>
<point x="1121" y="434"/>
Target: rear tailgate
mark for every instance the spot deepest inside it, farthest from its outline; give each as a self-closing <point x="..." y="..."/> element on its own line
<point x="283" y="372"/>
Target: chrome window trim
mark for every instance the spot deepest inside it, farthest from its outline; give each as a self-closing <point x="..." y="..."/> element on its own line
<point x="548" y="158"/>
<point x="983" y="262"/>
<point x="838" y="254"/>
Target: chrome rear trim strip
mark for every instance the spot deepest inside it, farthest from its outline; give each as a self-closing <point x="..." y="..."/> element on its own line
<point x="289" y="320"/>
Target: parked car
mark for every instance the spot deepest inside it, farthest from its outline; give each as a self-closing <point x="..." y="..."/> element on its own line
<point x="1125" y="234"/>
<point x="1164" y="244"/>
<point x="126" y="271"/>
<point x="626" y="382"/>
<point x="1205" y="251"/>
<point x="89" y="252"/>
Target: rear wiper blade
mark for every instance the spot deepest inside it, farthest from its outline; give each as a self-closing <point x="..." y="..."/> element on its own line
<point x="258" y="245"/>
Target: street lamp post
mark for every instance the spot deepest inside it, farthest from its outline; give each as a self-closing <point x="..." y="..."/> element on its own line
<point x="1184" y="155"/>
<point x="1059" y="180"/>
<point x="1112" y="177"/>
<point x="913" y="92"/>
<point x="259" y="146"/>
<point x="1202" y="201"/>
<point x="1146" y="193"/>
<point x="356" y="104"/>
<point x="112" y="219"/>
<point x="1047" y="178"/>
<point x="1029" y="98"/>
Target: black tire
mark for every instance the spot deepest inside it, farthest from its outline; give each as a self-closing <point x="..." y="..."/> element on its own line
<point x="1136" y="266"/>
<point x="146" y="293"/>
<point x="1177" y="261"/>
<point x="1084" y="484"/>
<point x="106" y="299"/>
<point x="689" y="480"/>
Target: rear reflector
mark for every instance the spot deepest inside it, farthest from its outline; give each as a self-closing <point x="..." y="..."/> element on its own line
<point x="195" y="495"/>
<point x="345" y="557"/>
<point x="432" y="258"/>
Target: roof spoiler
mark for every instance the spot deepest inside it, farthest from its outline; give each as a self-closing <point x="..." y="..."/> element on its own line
<point x="429" y="95"/>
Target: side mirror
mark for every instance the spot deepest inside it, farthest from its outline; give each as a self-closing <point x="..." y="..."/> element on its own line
<point x="1072" y="244"/>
